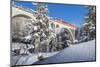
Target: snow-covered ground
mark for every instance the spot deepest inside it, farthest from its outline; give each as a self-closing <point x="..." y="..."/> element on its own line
<point x="28" y="59"/>
<point x="78" y="52"/>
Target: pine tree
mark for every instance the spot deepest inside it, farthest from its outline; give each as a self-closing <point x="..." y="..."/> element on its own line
<point x="88" y="28"/>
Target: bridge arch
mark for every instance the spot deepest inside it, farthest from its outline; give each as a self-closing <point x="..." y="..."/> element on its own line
<point x="18" y="24"/>
<point x="21" y="15"/>
<point x="69" y="33"/>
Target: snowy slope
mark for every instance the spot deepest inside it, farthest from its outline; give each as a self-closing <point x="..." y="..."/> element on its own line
<point x="79" y="52"/>
<point x="28" y="59"/>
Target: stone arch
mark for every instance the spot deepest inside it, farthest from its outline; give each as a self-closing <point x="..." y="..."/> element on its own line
<point x="67" y="31"/>
<point x="21" y="15"/>
<point x="17" y="24"/>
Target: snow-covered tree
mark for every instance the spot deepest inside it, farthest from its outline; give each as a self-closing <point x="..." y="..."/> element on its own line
<point x="88" y="30"/>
